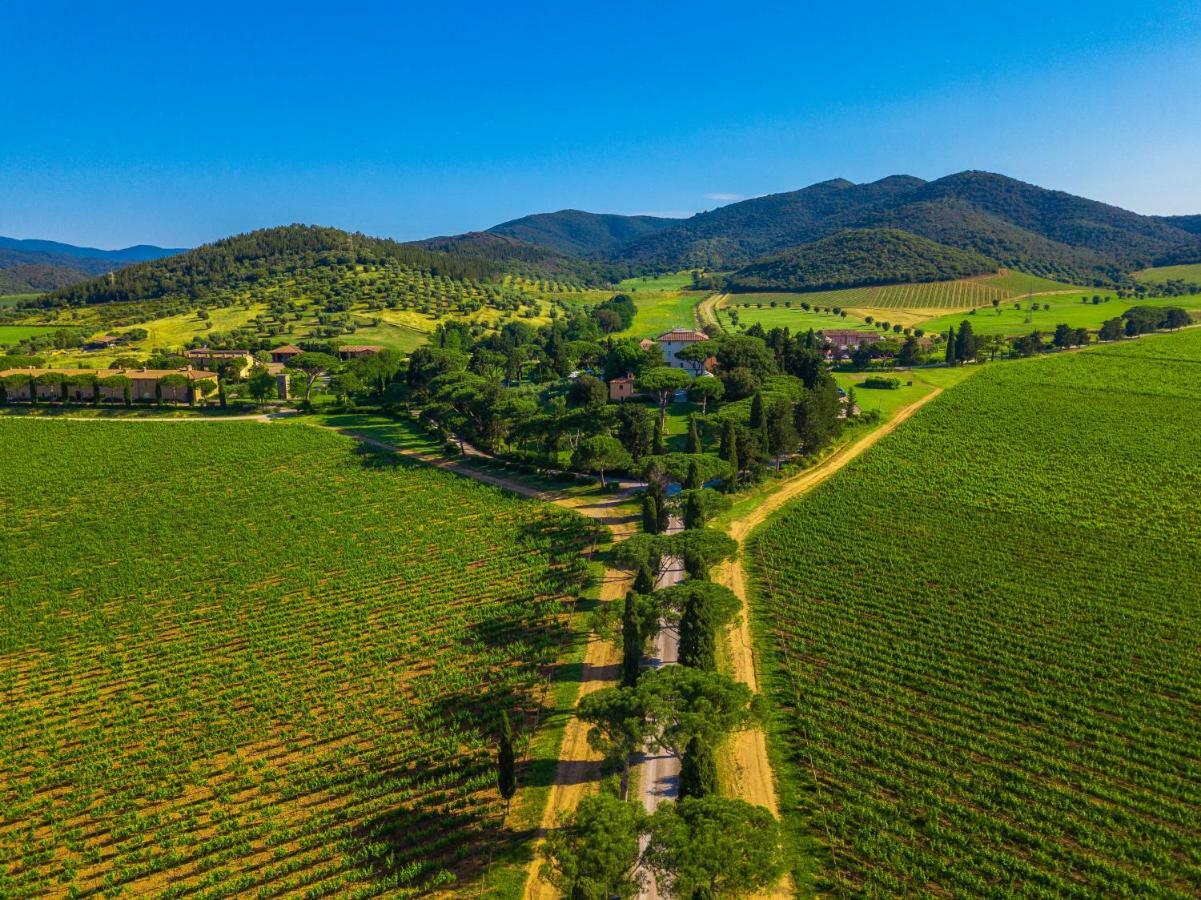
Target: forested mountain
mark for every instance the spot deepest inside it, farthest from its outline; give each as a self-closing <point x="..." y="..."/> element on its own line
<point x="33" y="265"/>
<point x="582" y="233"/>
<point x="519" y="256"/>
<point x="1191" y="224"/>
<point x="857" y="257"/>
<point x="245" y="259"/>
<point x="1018" y="225"/>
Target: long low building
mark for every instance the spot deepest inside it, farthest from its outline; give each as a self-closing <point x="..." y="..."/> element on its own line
<point x="144" y="384"/>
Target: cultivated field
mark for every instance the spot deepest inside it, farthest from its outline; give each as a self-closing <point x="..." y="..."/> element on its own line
<point x="1016" y="317"/>
<point x="257" y="660"/>
<point x="960" y="294"/>
<point x="981" y="639"/>
<point x="1161" y="274"/>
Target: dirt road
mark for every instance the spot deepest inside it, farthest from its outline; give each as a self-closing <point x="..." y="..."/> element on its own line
<point x="706" y="310"/>
<point x="744" y="767"/>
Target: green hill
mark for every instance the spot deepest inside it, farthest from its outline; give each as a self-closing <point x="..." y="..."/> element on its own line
<point x="859" y="257"/>
<point x="1018" y="225"/>
<point x="581" y="233"/>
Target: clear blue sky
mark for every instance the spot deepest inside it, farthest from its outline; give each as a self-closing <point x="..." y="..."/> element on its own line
<point x="176" y="124"/>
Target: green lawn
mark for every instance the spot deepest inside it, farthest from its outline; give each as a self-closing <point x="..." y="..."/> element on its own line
<point x="14" y="299"/>
<point x="13" y="334"/>
<point x="979" y="640"/>
<point x="660" y="311"/>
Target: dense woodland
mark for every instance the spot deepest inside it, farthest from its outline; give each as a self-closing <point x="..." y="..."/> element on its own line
<point x="864" y="256"/>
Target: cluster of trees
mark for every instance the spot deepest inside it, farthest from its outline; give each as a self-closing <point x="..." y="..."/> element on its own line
<point x="508" y="392"/>
<point x="703" y="844"/>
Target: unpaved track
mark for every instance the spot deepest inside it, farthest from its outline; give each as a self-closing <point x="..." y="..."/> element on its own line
<point x="706" y="310"/>
<point x="744" y="766"/>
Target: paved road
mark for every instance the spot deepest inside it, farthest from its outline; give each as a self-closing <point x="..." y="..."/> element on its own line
<point x="659" y="773"/>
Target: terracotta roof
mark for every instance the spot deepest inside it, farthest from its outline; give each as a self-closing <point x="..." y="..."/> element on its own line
<point x="624" y="379"/>
<point x="288" y="348"/>
<point x="646" y="343"/>
<point x="194" y="374"/>
<point x="206" y="351"/>
<point x="360" y="348"/>
<point x="683" y="336"/>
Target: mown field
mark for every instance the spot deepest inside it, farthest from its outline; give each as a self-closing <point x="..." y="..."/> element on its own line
<point x="258" y="660"/>
<point x="981" y="639"/>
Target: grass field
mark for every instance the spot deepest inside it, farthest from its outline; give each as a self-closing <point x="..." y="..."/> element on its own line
<point x="660" y="311"/>
<point x="1160" y="274"/>
<point x="676" y="281"/>
<point x="14" y="299"/>
<point x="980" y="639"/>
<point x="246" y="659"/>
<point x="12" y="334"/>
<point x="791" y="317"/>
<point x="1064" y="308"/>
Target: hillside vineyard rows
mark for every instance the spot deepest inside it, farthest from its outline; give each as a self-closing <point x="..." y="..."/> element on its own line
<point x="959" y="294"/>
<point x="246" y="659"/>
<point x="982" y="638"/>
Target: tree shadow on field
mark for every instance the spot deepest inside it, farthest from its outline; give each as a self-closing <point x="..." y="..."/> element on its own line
<point x="371" y="456"/>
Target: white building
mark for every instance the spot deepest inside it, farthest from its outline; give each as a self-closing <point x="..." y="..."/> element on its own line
<point x="672" y="342"/>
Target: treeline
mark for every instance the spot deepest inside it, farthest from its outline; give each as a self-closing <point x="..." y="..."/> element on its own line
<point x="853" y="258"/>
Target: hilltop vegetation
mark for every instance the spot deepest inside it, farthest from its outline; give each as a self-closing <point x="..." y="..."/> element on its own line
<point x="1008" y="705"/>
<point x="581" y="233"/>
<point x="271" y="684"/>
<point x="857" y="257"/>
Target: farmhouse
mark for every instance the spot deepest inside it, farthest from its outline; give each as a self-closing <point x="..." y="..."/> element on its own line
<point x="104" y="342"/>
<point x="676" y="340"/>
<point x="622" y="388"/>
<point x="358" y="351"/>
<point x="82" y="384"/>
<point x="285" y="353"/>
<point x="207" y="358"/>
<point x="845" y="338"/>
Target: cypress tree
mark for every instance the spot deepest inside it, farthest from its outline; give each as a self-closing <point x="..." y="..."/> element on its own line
<point x="657" y="446"/>
<point x="631" y="643"/>
<point x="506" y="763"/>
<point x="694" y="435"/>
<point x="692" y="480"/>
<point x="221" y="391"/>
<point x="644" y="581"/>
<point x="650" y="513"/>
<point x="692" y="513"/>
<point x="756" y="421"/>
<point x="698" y="771"/>
<point x="697" y="640"/>
<point x="951" y="346"/>
<point x="729" y="453"/>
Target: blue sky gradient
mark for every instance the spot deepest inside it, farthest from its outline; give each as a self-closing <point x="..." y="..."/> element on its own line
<point x="128" y="123"/>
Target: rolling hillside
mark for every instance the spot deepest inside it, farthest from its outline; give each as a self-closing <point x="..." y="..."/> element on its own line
<point x="855" y="257"/>
<point x="581" y="233"/>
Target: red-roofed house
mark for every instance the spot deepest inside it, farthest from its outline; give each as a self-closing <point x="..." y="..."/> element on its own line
<point x="676" y="340"/>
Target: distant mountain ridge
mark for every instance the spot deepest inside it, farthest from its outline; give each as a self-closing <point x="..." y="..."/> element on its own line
<point x="1014" y="224"/>
<point x="581" y="233"/>
<point x="37" y="265"/>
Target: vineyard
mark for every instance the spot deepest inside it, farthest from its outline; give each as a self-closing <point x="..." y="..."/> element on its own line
<point x="1009" y="704"/>
<point x="960" y="294"/>
<point x="245" y="659"/>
